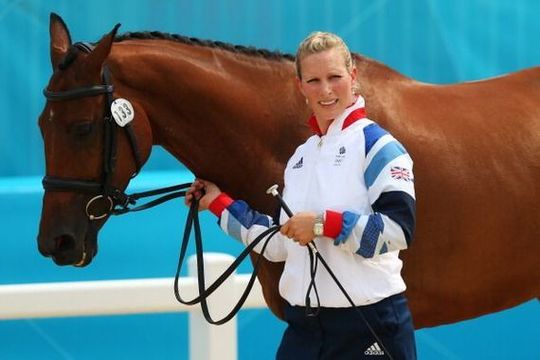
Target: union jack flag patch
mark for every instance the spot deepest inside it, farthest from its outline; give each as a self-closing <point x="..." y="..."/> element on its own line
<point x="400" y="173"/>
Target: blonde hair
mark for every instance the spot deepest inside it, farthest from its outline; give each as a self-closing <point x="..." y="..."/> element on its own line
<point x="319" y="41"/>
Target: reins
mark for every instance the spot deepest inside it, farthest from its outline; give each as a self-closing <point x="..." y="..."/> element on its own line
<point x="193" y="224"/>
<point x="204" y="293"/>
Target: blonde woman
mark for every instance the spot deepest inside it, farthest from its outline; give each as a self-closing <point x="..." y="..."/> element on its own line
<point x="351" y="188"/>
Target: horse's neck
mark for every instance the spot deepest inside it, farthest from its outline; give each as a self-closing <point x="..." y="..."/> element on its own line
<point x="228" y="117"/>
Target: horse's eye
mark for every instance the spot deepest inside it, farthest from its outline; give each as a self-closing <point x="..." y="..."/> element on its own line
<point x="82" y="129"/>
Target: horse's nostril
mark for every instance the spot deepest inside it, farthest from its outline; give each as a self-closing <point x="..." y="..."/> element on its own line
<point x="64" y="243"/>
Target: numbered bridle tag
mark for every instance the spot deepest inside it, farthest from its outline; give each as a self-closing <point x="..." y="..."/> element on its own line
<point x="122" y="111"/>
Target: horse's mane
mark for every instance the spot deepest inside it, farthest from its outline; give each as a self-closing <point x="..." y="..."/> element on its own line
<point x="248" y="50"/>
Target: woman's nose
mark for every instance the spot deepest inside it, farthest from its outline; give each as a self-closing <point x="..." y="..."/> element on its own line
<point x="326" y="89"/>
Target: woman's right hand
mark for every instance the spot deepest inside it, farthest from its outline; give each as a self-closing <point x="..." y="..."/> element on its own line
<point x="205" y="191"/>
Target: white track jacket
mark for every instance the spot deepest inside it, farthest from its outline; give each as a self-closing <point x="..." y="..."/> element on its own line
<point x="360" y="177"/>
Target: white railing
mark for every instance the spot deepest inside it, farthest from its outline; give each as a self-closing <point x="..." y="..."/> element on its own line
<point x="138" y="296"/>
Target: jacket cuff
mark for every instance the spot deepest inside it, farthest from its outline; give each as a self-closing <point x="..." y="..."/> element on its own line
<point x="333" y="222"/>
<point x="220" y="203"/>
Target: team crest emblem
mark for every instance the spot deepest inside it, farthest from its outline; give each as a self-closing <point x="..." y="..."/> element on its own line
<point x="340" y="156"/>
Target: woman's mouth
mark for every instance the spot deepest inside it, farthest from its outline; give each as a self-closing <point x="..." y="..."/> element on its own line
<point x="328" y="102"/>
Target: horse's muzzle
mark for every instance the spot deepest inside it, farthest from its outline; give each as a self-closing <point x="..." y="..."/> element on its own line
<point x="64" y="250"/>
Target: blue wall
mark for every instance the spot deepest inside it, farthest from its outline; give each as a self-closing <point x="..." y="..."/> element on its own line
<point x="433" y="41"/>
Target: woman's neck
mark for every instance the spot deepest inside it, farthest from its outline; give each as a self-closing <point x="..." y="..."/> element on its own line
<point x="324" y="125"/>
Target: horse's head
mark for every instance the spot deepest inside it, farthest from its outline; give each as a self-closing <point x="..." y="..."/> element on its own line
<point x="90" y="157"/>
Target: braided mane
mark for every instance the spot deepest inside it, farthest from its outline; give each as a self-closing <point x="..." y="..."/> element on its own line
<point x="248" y="50"/>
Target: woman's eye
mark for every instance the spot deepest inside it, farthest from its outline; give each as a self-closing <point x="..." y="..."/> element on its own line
<point x="82" y="129"/>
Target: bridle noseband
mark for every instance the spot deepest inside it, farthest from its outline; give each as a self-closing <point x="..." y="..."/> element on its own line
<point x="105" y="191"/>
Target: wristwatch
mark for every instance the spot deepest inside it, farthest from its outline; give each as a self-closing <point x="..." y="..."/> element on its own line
<point x="318" y="226"/>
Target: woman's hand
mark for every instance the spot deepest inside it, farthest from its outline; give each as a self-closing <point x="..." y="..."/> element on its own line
<point x="205" y="191"/>
<point x="300" y="227"/>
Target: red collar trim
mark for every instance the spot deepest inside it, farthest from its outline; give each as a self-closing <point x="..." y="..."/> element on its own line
<point x="312" y="121"/>
<point x="354" y="116"/>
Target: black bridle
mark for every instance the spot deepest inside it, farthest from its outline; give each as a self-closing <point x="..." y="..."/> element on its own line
<point x="104" y="190"/>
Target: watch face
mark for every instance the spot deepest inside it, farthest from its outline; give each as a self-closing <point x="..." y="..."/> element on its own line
<point x="318" y="229"/>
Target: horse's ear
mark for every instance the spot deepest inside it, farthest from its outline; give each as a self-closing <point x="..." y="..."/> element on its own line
<point x="60" y="39"/>
<point x="95" y="59"/>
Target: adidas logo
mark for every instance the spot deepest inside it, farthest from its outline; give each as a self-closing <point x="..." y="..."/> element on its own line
<point x="374" y="350"/>
<point x="299" y="164"/>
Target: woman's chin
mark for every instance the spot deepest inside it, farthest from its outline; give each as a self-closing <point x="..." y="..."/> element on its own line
<point x="328" y="114"/>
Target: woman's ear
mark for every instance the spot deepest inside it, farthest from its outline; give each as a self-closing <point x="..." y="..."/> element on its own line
<point x="354" y="73"/>
<point x="299" y="85"/>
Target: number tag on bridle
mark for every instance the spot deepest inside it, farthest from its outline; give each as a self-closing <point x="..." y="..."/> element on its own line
<point x="122" y="111"/>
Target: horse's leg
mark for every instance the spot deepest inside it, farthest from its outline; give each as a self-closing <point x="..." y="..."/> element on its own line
<point x="269" y="274"/>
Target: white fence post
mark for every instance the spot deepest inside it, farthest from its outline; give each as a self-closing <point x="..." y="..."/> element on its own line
<point x="214" y="342"/>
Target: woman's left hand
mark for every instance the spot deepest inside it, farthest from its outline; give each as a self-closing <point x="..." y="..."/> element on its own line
<point x="300" y="227"/>
<point x="203" y="190"/>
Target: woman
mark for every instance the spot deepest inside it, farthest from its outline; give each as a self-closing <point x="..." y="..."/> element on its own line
<point x="351" y="188"/>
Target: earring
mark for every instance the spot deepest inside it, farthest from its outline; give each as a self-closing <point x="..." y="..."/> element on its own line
<point x="307" y="101"/>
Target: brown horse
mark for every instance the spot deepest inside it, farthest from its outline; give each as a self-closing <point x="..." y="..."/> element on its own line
<point x="234" y="115"/>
